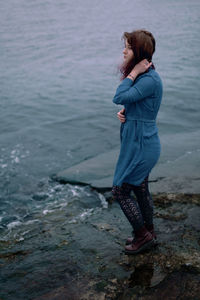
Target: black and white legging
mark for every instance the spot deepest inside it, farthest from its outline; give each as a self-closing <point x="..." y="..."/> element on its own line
<point x="138" y="212"/>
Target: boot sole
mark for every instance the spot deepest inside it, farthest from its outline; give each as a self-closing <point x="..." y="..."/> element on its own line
<point x="146" y="246"/>
<point x="155" y="243"/>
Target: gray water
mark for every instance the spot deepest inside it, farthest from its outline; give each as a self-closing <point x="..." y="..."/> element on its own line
<point x="58" y="76"/>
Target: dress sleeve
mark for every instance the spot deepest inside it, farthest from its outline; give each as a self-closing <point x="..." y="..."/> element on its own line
<point x="129" y="92"/>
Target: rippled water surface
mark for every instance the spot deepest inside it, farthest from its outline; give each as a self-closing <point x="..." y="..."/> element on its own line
<point x="58" y="77"/>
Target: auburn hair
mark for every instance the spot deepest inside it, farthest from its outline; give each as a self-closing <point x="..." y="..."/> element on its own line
<point x="143" y="45"/>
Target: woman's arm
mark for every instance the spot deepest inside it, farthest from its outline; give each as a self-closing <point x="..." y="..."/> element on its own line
<point x="129" y="93"/>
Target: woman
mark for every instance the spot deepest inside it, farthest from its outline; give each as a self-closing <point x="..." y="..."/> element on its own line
<point x="140" y="92"/>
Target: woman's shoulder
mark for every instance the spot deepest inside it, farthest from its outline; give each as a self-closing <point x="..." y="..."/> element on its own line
<point x="149" y="80"/>
<point x="153" y="76"/>
<point x="150" y="76"/>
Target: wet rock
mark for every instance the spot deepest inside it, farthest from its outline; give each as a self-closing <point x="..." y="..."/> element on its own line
<point x="177" y="285"/>
<point x="86" y="260"/>
<point x="103" y="226"/>
<point x="61" y="293"/>
<point x="98" y="173"/>
<point x="13" y="255"/>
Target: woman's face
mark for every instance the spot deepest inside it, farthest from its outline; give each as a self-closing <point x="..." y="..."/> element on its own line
<point x="128" y="52"/>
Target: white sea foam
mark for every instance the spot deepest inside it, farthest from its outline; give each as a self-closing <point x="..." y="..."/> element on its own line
<point x="16" y="160"/>
<point x="104" y="203"/>
<point x="73" y="221"/>
<point x="4" y="166"/>
<point x="13" y="152"/>
<point x="31" y="222"/>
<point x="86" y="213"/>
<point x="27" y="152"/>
<point x="14" y="224"/>
<point x="63" y="205"/>
<point x="74" y="192"/>
<point x="83" y="215"/>
<point x="47" y="211"/>
<point x="18" y="153"/>
<point x="20" y="239"/>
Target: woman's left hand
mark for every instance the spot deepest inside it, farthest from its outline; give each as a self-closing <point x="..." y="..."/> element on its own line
<point x="121" y="115"/>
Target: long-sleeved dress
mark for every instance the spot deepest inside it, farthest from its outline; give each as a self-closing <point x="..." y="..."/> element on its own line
<point x="140" y="143"/>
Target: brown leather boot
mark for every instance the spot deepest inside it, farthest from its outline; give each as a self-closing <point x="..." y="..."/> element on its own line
<point x="130" y="239"/>
<point x="143" y="240"/>
<point x="150" y="228"/>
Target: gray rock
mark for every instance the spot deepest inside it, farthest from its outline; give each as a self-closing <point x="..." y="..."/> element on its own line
<point x="98" y="173"/>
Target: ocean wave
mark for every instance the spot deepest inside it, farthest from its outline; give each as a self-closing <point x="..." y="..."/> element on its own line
<point x="14" y="224"/>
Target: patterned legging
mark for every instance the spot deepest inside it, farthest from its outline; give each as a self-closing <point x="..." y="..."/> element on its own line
<point x="138" y="212"/>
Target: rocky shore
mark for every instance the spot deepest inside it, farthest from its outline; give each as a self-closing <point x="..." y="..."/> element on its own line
<point x="85" y="260"/>
<point x="82" y="258"/>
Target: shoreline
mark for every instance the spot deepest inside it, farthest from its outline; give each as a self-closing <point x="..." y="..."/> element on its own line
<point x="98" y="172"/>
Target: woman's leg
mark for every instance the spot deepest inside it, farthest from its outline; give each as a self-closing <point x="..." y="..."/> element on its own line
<point x="145" y="201"/>
<point x="143" y="238"/>
<point x="146" y="207"/>
<point x="128" y="205"/>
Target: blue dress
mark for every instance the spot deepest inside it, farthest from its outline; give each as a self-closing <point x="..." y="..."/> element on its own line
<point x="140" y="143"/>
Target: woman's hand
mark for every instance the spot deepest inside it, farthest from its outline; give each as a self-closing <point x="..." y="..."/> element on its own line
<point x="140" y="68"/>
<point x="121" y="115"/>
